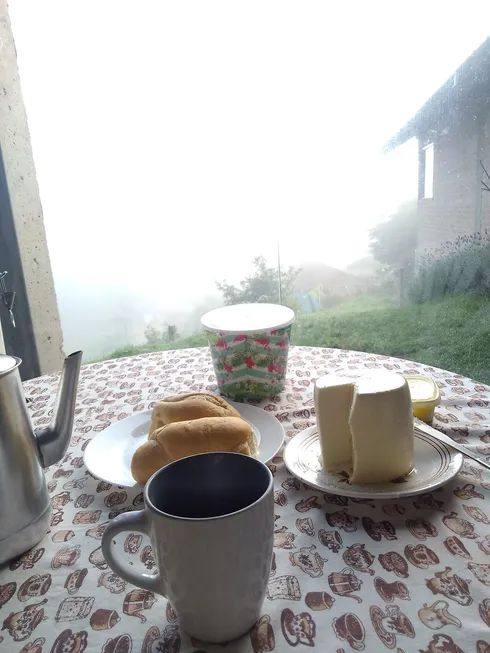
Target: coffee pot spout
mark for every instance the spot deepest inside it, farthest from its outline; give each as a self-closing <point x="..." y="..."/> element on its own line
<point x="54" y="439"/>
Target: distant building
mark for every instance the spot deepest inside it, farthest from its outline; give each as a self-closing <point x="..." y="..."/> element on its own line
<point x="332" y="281"/>
<point x="453" y="132"/>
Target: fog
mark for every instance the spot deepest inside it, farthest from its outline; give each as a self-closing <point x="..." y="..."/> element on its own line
<point x="175" y="142"/>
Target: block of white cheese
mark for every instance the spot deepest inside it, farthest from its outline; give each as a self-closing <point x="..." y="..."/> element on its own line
<point x="365" y="425"/>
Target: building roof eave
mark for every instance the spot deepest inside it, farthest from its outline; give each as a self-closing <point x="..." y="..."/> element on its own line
<point x="466" y="89"/>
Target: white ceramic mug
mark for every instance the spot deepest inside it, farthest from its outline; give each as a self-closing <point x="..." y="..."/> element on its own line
<point x="210" y="519"/>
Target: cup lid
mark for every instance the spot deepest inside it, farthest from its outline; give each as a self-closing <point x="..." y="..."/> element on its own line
<point x="248" y="318"/>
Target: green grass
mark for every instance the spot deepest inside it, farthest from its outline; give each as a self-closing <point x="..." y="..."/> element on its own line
<point x="453" y="333"/>
<point x="195" y="340"/>
<point x="360" y="304"/>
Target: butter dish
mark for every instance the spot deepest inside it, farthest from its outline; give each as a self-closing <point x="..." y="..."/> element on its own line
<point x="425" y="396"/>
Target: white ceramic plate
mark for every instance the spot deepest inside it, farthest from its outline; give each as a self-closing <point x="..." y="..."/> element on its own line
<point x="434" y="464"/>
<point x="108" y="455"/>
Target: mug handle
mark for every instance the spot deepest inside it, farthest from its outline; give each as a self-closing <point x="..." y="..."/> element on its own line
<point x="130" y="521"/>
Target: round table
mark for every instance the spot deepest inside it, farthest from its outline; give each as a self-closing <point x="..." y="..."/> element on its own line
<point x="409" y="575"/>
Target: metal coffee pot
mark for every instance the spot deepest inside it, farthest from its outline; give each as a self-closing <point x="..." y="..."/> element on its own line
<point x="25" y="506"/>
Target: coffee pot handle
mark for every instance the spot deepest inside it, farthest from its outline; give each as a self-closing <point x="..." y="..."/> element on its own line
<point x="130" y="522"/>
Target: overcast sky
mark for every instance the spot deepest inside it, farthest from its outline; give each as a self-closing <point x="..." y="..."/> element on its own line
<point x="175" y="141"/>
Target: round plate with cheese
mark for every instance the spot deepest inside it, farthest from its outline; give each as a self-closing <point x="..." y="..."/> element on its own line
<point x="108" y="455"/>
<point x="434" y="464"/>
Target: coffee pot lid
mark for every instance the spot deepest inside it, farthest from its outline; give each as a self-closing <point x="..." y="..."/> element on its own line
<point x="8" y="363"/>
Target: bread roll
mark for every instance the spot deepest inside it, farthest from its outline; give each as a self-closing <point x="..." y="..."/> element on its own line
<point x="146" y="460"/>
<point x="181" y="439"/>
<point x="195" y="405"/>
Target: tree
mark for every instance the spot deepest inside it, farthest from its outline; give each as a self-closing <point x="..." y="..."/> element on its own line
<point x="262" y="286"/>
<point x="166" y="335"/>
<point x="152" y="335"/>
<point x="393" y="242"/>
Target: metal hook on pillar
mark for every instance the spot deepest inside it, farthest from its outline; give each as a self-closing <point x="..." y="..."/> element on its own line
<point x="8" y="297"/>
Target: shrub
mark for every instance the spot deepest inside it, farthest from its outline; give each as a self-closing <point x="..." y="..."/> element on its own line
<point x="460" y="267"/>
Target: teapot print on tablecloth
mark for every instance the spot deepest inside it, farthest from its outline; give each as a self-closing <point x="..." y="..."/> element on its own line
<point x="283" y="538"/>
<point x="441" y="643"/>
<point x="451" y="586"/>
<point x="421" y="528"/>
<point x="345" y="583"/>
<point x="476" y="513"/>
<point x="484" y="611"/>
<point x="427" y="501"/>
<point x="378" y="531"/>
<point x="331" y="539"/>
<point x="460" y="526"/>
<point x="484" y="545"/>
<point x="481" y="572"/>
<point x="308" y="561"/>
<point x="482" y="646"/>
<point x="467" y="492"/>
<point x="20" y="625"/>
<point x="421" y="556"/>
<point x="34" y="647"/>
<point x="437" y="616"/>
<point x="305" y="525"/>
<point x="308" y="504"/>
<point x="342" y="520"/>
<point x="358" y="558"/>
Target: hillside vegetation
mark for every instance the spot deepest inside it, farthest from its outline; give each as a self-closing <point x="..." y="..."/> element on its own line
<point x="452" y="333"/>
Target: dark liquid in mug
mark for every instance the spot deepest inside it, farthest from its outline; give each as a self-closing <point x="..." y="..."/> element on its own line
<point x="208" y="485"/>
<point x="197" y="506"/>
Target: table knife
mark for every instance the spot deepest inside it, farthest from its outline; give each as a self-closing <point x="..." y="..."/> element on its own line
<point x="442" y="437"/>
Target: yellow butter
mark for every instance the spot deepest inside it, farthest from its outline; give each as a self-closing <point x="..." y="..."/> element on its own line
<point x="425" y="396"/>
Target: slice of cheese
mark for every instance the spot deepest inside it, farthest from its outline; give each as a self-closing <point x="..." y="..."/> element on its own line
<point x="333" y="401"/>
<point x="366" y="425"/>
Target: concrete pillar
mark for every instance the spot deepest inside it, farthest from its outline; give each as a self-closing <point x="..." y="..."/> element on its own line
<point x="39" y="335"/>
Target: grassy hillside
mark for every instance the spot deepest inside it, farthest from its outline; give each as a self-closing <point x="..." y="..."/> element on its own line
<point x="452" y="334"/>
<point x="196" y="340"/>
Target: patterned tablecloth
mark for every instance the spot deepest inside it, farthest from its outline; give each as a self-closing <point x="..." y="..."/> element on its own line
<point x="409" y="575"/>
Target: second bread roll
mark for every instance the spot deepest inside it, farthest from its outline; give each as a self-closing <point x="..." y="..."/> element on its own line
<point x="189" y="406"/>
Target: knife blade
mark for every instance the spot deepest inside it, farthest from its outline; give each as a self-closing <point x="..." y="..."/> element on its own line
<point x="442" y="437"/>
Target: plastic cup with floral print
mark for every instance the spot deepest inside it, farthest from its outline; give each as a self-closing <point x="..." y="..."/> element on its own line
<point x="249" y="345"/>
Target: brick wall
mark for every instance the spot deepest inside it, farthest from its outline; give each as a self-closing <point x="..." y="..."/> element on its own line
<point x="453" y="209"/>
